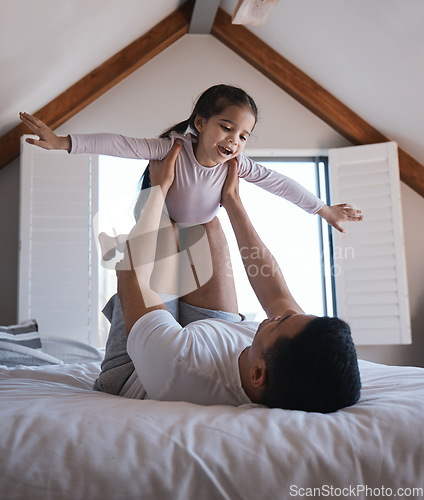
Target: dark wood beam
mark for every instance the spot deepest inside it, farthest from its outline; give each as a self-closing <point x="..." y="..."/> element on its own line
<point x="310" y="94"/>
<point x="103" y="78"/>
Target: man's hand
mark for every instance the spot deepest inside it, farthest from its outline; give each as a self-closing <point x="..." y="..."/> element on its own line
<point x="230" y="191"/>
<point x="162" y="172"/>
<point x="336" y="214"/>
<point x="48" y="139"/>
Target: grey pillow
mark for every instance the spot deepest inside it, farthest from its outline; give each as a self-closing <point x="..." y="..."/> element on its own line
<point x="24" y="334"/>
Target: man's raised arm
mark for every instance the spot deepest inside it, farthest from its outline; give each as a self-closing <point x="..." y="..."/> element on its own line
<point x="270" y="287"/>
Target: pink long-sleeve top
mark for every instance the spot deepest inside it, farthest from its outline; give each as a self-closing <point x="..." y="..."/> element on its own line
<point x="194" y="197"/>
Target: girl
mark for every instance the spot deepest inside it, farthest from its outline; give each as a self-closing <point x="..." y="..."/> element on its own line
<point x="216" y="131"/>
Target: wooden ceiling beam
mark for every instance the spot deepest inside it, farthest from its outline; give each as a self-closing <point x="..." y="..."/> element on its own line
<point x="103" y="78"/>
<point x="271" y="64"/>
<point x="309" y="93"/>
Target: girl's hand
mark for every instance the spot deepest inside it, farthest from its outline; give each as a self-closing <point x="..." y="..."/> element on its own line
<point x="47" y="138"/>
<point x="162" y="172"/>
<point x="337" y="214"/>
<point x="230" y="191"/>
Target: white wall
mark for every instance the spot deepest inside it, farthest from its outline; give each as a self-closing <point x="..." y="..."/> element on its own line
<point x="162" y="93"/>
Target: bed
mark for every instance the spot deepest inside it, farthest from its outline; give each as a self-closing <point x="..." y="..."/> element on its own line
<point x="61" y="440"/>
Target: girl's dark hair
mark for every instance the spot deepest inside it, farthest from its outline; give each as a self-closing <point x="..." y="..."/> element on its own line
<point x="212" y="102"/>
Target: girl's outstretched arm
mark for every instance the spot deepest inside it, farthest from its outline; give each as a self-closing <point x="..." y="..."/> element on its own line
<point x="47" y="138"/>
<point x="289" y="189"/>
<point x="336" y="214"/>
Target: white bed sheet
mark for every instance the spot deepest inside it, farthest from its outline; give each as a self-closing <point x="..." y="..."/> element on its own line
<point x="60" y="440"/>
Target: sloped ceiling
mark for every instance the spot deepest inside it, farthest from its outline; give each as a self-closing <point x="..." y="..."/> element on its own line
<point x="369" y="55"/>
<point x="48" y="45"/>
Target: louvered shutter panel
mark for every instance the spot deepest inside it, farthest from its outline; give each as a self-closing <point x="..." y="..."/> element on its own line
<point x="369" y="261"/>
<point x="58" y="273"/>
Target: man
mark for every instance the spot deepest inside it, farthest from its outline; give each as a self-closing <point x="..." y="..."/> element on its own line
<point x="211" y="355"/>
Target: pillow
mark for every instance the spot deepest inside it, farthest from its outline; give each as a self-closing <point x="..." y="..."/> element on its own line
<point x="12" y="354"/>
<point x="24" y="334"/>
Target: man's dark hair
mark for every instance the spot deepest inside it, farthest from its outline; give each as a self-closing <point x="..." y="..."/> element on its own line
<point x="315" y="371"/>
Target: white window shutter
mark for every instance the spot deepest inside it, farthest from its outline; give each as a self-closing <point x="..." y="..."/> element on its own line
<point x="369" y="261"/>
<point x="58" y="272"/>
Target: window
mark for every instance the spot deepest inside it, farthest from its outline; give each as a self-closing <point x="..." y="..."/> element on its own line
<point x="298" y="240"/>
<point x="294" y="237"/>
<point x="117" y="198"/>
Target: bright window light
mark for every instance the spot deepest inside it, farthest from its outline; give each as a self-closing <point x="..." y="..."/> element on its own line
<point x="293" y="236"/>
<point x="118" y="191"/>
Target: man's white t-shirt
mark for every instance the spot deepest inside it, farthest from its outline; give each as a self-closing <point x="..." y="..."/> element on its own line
<point x="197" y="364"/>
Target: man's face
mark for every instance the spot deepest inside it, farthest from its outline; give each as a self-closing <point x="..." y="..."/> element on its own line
<point x="288" y="325"/>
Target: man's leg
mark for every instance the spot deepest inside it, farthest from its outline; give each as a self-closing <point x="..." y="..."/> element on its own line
<point x="219" y="292"/>
<point x="165" y="273"/>
<point x="117" y="366"/>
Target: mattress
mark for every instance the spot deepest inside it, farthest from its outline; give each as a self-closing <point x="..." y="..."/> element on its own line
<point x="61" y="440"/>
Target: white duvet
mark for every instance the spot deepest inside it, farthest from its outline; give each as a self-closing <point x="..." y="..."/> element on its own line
<point x="60" y="440"/>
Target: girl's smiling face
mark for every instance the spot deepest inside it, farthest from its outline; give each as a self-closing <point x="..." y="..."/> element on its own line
<point x="223" y="136"/>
